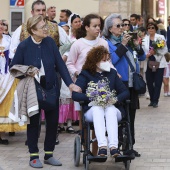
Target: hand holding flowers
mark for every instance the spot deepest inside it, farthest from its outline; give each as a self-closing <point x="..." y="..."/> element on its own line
<point x="157" y="45"/>
<point x="99" y="93"/>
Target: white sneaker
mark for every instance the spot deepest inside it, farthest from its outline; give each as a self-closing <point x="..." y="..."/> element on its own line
<point x="168" y="93"/>
<point x="147" y="95"/>
<point x="165" y="94"/>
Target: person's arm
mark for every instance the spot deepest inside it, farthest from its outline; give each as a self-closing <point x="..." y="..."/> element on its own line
<point x="15" y="40"/>
<point x="72" y="59"/>
<point x="18" y="56"/>
<point x="117" y="52"/>
<point x="82" y="83"/>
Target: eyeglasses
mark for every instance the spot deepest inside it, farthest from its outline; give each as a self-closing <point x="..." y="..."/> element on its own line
<point x="127" y="25"/>
<point x="4" y="24"/>
<point x="44" y="27"/>
<point x="120" y="25"/>
<point x="152" y="28"/>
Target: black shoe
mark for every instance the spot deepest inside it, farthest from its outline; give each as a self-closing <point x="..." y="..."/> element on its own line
<point x="61" y="129"/>
<point x="151" y="104"/>
<point x="76" y="123"/>
<point x="102" y="152"/>
<point x="4" y="141"/>
<point x="11" y="133"/>
<point x="26" y="143"/>
<point x="114" y="153"/>
<point x="136" y="153"/>
<point x="155" y="105"/>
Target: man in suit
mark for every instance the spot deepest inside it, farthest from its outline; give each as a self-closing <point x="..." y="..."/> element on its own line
<point x="168" y="34"/>
<point x="134" y="18"/>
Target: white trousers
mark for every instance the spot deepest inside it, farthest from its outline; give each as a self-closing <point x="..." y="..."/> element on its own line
<point x="98" y="115"/>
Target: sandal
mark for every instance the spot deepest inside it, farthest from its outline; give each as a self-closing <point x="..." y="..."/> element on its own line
<point x="70" y="129"/>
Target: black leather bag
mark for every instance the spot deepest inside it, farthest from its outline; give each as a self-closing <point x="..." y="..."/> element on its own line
<point x="138" y="83"/>
<point x="47" y="99"/>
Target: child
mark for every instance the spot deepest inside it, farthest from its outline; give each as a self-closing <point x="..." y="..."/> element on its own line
<point x="166" y="76"/>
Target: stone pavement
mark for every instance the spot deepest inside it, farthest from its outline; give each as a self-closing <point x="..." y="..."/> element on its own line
<point x="152" y="141"/>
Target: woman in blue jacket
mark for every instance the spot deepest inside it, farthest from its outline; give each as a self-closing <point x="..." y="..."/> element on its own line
<point x="121" y="55"/>
<point x="97" y="67"/>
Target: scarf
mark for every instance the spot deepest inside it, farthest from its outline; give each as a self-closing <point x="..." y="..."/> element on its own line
<point x="117" y="39"/>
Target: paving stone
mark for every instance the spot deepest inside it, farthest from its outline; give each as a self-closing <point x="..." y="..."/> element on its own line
<point x="152" y="141"/>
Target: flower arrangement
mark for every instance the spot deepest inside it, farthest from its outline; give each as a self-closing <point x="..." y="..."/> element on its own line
<point x="99" y="93"/>
<point x="158" y="44"/>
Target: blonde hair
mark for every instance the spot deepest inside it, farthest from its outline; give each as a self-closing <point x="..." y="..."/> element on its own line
<point x="32" y="23"/>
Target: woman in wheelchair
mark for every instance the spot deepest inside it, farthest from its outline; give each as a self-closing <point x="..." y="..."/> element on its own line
<point x="97" y="68"/>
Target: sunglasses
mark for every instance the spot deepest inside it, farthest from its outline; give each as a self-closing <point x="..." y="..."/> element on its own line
<point x="152" y="28"/>
<point x="120" y="25"/>
<point x="127" y="25"/>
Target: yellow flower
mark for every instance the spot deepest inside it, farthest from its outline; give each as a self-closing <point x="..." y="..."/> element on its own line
<point x="158" y="45"/>
<point x="104" y="96"/>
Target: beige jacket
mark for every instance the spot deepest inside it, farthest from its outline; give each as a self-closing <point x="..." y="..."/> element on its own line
<point x="25" y="103"/>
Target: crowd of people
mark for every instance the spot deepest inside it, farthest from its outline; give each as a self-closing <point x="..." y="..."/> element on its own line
<point x="66" y="56"/>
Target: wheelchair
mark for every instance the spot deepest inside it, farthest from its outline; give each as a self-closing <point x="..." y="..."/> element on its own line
<point x="83" y="142"/>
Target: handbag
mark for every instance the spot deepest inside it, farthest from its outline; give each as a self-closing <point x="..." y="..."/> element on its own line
<point x="138" y="83"/>
<point x="154" y="65"/>
<point x="47" y="99"/>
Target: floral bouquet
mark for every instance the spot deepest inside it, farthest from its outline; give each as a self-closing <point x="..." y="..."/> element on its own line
<point x="158" y="44"/>
<point x="99" y="93"/>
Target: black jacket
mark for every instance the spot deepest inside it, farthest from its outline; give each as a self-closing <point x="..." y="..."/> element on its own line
<point x="114" y="83"/>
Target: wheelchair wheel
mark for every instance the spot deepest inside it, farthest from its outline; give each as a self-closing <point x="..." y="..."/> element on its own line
<point x="77" y="147"/>
<point x="127" y="165"/>
<point x="86" y="165"/>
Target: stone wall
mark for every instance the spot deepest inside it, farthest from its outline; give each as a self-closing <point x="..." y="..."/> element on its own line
<point x="123" y="7"/>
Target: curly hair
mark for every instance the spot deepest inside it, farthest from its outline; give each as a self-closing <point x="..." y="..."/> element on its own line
<point x="94" y="56"/>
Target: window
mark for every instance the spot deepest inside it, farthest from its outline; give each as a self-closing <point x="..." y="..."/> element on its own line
<point x="17" y="18"/>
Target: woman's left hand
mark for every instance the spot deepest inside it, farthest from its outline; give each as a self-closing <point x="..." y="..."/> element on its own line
<point x="75" y="88"/>
<point x="136" y="42"/>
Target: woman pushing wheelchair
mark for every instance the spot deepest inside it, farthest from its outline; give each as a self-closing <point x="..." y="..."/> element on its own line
<point x="102" y="89"/>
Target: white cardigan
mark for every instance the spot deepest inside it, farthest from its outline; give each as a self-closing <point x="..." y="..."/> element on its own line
<point x="146" y="45"/>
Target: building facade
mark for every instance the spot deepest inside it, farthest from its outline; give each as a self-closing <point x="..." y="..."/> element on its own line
<point x="18" y="11"/>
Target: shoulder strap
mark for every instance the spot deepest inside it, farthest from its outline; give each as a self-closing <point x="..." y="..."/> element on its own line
<point x="130" y="64"/>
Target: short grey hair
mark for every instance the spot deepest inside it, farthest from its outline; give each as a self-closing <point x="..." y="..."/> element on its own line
<point x="109" y="23"/>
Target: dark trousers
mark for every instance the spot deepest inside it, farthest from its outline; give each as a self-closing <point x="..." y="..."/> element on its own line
<point x="51" y="131"/>
<point x="134" y="104"/>
<point x="154" y="83"/>
<point x="132" y="114"/>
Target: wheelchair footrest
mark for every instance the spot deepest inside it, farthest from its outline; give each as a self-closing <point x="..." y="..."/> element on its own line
<point x="123" y="158"/>
<point x="97" y="158"/>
